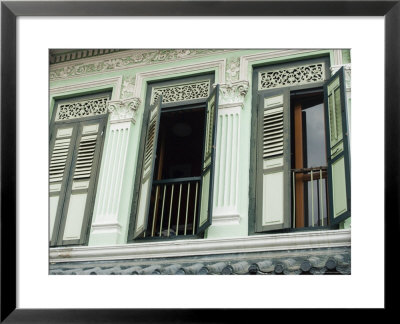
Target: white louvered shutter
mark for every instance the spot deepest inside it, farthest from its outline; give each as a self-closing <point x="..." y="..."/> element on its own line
<point x="273" y="162"/>
<point x="62" y="148"/>
<point x="208" y="165"/>
<point x="80" y="192"/>
<point x="146" y="179"/>
<point x="338" y="148"/>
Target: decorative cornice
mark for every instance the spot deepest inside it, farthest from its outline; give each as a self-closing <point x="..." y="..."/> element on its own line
<point x="164" y="249"/>
<point x="233" y="92"/>
<point x="125" y="59"/>
<point x="123" y="110"/>
<point x="59" y="56"/>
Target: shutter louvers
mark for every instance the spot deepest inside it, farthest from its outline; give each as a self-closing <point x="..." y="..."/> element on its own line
<point x="85" y="156"/>
<point x="59" y="159"/>
<point x="273" y="132"/>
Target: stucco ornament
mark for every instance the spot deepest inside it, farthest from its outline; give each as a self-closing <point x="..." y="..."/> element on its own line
<point x="233" y="92"/>
<point x="124" y="109"/>
<point x="128" y="87"/>
<point x="232" y="71"/>
<point x="126" y="59"/>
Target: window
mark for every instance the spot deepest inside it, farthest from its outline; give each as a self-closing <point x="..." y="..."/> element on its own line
<point x="76" y="138"/>
<point x="173" y="189"/>
<point x="300" y="161"/>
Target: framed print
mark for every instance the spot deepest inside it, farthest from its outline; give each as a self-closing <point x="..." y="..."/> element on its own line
<point x="188" y="138"/>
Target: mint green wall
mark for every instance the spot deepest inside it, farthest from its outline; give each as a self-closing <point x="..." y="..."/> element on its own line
<point x="128" y="74"/>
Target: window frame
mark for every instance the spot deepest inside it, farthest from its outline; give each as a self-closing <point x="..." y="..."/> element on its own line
<point x="66" y="184"/>
<point x="256" y="94"/>
<point x="139" y="163"/>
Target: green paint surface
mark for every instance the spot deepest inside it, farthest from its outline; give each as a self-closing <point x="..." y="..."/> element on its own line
<point x="128" y="78"/>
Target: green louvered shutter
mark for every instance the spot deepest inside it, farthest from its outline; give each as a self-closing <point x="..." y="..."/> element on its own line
<point x="146" y="178"/>
<point x="337" y="148"/>
<point x="73" y="223"/>
<point x="273" y="161"/>
<point x="208" y="164"/>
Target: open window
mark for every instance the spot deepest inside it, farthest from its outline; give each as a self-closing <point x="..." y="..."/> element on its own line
<point x="302" y="161"/>
<point x="173" y="197"/>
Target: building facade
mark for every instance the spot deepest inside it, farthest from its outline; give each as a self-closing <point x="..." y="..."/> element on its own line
<point x="200" y="161"/>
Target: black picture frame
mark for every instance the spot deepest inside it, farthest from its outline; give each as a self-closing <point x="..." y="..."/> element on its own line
<point x="10" y="10"/>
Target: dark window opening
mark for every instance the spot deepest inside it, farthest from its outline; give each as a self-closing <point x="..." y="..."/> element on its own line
<point x="174" y="204"/>
<point x="309" y="163"/>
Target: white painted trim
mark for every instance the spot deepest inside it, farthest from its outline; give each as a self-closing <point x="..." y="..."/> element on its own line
<point x="180" y="248"/>
<point x="114" y="82"/>
<point x="225" y="218"/>
<point x="141" y="77"/>
<point x="245" y="60"/>
<point x="107" y="225"/>
<point x="235" y="107"/>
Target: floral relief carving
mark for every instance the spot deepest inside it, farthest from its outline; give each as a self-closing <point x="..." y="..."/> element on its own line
<point x="183" y="92"/>
<point x="84" y="108"/>
<point x="132" y="59"/>
<point x="233" y="92"/>
<point x="128" y="86"/>
<point x="232" y="71"/>
<point x="123" y="109"/>
<point x="292" y="76"/>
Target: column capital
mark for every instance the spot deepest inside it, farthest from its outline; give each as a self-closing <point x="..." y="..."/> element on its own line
<point x="233" y="92"/>
<point x="123" y="110"/>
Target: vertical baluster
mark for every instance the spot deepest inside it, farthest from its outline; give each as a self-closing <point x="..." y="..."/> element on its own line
<point x="187" y="208"/>
<point x="312" y="199"/>
<point x="170" y="208"/>
<point x="294" y="199"/>
<point x="322" y="200"/>
<point x="162" y="209"/>
<point x="195" y="206"/>
<point x="179" y="209"/>
<point x="154" y="214"/>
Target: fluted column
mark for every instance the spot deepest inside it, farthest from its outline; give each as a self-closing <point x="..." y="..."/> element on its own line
<point x="111" y="211"/>
<point x="226" y="178"/>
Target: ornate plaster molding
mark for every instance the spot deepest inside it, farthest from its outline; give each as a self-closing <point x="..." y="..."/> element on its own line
<point x="164" y="249"/>
<point x="125" y="59"/>
<point x="123" y="110"/>
<point x="233" y="69"/>
<point x="233" y="92"/>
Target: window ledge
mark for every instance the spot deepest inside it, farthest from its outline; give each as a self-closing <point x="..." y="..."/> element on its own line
<point x="259" y="243"/>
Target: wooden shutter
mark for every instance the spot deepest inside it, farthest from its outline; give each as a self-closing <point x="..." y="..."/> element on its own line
<point x="61" y="152"/>
<point x="273" y="162"/>
<point x="74" y="219"/>
<point x="337" y="148"/>
<point x="208" y="163"/>
<point x="146" y="178"/>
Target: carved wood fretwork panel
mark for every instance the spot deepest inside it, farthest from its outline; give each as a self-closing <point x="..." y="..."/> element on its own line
<point x="297" y="75"/>
<point x="79" y="109"/>
<point x="182" y="92"/>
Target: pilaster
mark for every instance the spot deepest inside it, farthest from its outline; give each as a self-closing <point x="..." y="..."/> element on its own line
<point x="108" y="224"/>
<point x="228" y="152"/>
